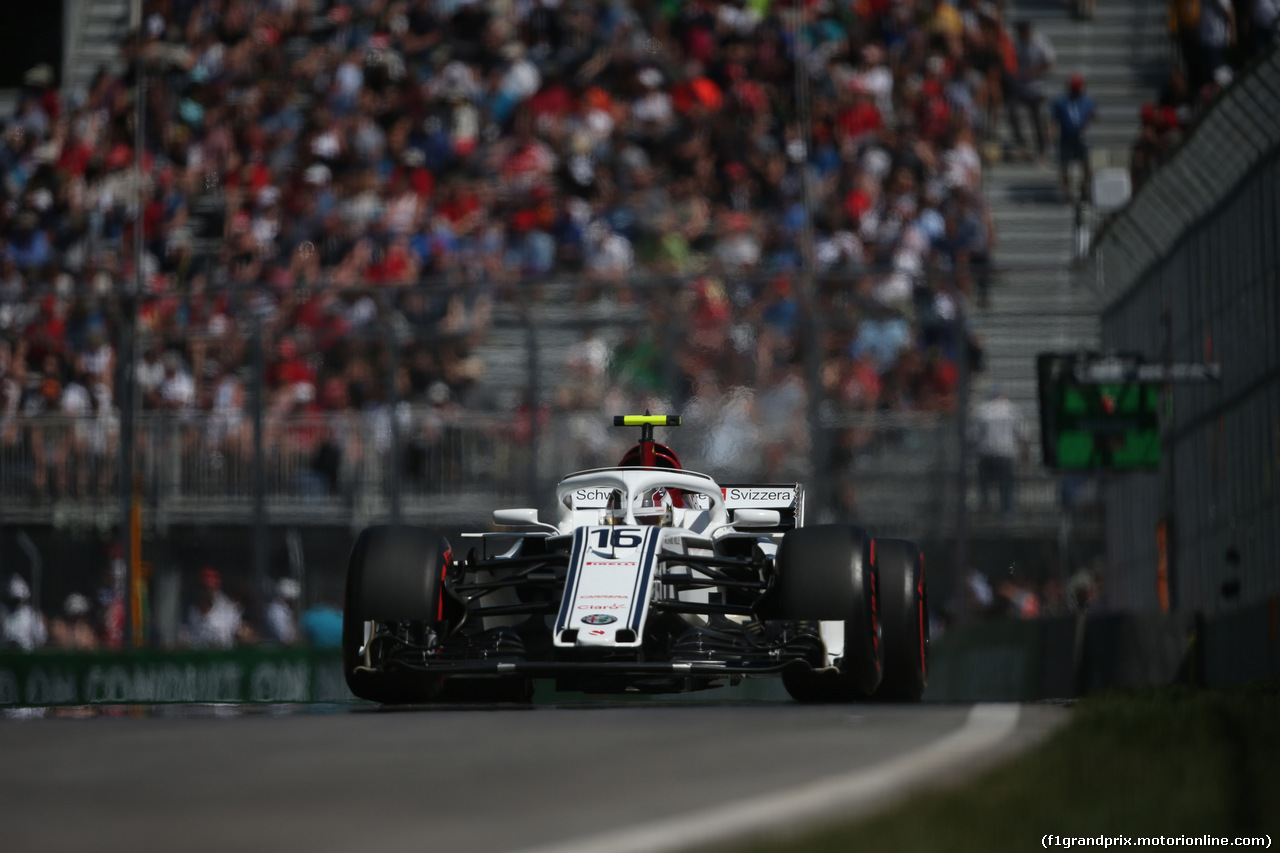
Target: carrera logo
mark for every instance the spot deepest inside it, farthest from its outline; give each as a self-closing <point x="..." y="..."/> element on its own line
<point x="592" y="597"/>
<point x="599" y="619"/>
<point x="611" y="562"/>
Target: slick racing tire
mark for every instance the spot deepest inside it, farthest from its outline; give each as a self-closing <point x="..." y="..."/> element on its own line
<point x="394" y="575"/>
<point x="825" y="573"/>
<point x="904" y="618"/>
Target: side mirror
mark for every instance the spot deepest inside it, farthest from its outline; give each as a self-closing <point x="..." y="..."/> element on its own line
<point x="756" y="518"/>
<point x="516" y="517"/>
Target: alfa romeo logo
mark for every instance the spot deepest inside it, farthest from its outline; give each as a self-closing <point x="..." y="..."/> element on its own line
<point x="599" y="619"/>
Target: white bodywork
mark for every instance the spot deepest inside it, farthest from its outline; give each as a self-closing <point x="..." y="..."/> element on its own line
<point x="613" y="568"/>
<point x="612" y="564"/>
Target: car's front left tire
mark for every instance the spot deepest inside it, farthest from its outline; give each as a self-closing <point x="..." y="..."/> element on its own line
<point x="394" y="575"/>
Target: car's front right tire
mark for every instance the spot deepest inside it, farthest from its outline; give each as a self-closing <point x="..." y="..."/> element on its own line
<point x="904" y="615"/>
<point x="825" y="573"/>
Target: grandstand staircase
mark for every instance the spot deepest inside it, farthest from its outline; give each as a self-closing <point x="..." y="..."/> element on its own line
<point x="95" y="29"/>
<point x="1042" y="300"/>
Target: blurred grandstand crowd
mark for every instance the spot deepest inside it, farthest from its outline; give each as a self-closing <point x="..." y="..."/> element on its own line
<point x="364" y="181"/>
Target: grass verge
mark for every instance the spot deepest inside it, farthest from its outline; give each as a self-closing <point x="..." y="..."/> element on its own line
<point x="1168" y="761"/>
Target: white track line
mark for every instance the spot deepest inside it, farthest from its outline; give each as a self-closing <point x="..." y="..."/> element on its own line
<point x="986" y="726"/>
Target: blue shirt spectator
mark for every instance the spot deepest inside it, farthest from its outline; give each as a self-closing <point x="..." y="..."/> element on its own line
<point x="322" y="626"/>
<point x="883" y="337"/>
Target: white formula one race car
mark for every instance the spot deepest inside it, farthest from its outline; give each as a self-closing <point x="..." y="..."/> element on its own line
<point x="651" y="579"/>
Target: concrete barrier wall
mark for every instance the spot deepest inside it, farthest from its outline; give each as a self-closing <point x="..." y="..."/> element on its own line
<point x="1240" y="646"/>
<point x="1069" y="657"/>
<point x="1004" y="660"/>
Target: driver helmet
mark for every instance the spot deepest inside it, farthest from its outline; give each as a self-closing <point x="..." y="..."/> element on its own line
<point x="615" y="511"/>
<point x="654" y="508"/>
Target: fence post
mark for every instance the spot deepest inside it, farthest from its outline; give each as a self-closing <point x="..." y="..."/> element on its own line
<point x="396" y="458"/>
<point x="126" y="392"/>
<point x="533" y="392"/>
<point x="259" y="476"/>
<point x="962" y="435"/>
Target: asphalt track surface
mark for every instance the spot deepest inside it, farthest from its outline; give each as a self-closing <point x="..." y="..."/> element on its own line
<point x="562" y="777"/>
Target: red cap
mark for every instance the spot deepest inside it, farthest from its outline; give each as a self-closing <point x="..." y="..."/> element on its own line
<point x="1075" y="83"/>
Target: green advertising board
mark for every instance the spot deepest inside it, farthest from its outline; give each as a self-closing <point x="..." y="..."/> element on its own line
<point x="250" y="674"/>
<point x="1096" y="425"/>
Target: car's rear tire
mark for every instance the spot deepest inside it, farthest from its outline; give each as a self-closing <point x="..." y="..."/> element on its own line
<point x="393" y="575"/>
<point x="904" y="617"/>
<point x="825" y="573"/>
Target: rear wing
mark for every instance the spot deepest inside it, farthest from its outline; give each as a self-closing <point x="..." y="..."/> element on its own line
<point x="786" y="498"/>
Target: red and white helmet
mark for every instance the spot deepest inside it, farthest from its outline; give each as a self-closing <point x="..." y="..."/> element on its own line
<point x="654" y="508"/>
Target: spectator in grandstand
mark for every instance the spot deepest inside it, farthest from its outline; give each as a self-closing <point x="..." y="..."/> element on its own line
<point x="98" y="359"/>
<point x="1209" y="93"/>
<point x="282" y="620"/>
<point x="227" y="427"/>
<point x="213" y="621"/>
<point x="1084" y="588"/>
<point x="882" y="334"/>
<point x="1019" y="599"/>
<point x="1028" y="90"/>
<point x="638" y="363"/>
<point x="586" y="373"/>
<point x="1073" y="111"/>
<point x="1264" y="17"/>
<point x="969" y="240"/>
<point x="999" y="434"/>
<point x="73" y="628"/>
<point x="111" y="599"/>
<point x="24" y="624"/>
<point x="28" y="246"/>
<point x="149" y="373"/>
<point x="321" y="625"/>
<point x="76" y="405"/>
<point x="47" y="435"/>
<point x="1177" y="101"/>
<point x="1184" y="27"/>
<point x="12" y="379"/>
<point x="1217" y="31"/>
<point x="46" y="334"/>
<point x="781" y="409"/>
<point x="1150" y="147"/>
<point x="991" y="57"/>
<point x="980" y="599"/>
<point x="176" y="396"/>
